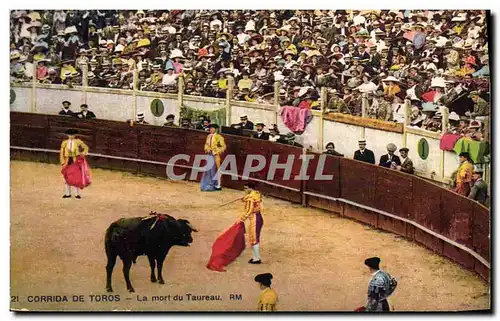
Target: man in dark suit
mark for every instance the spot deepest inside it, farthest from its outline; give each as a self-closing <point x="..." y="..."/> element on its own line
<point x="364" y="154"/>
<point x="479" y="191"/>
<point x="260" y="132"/>
<point x="245" y="123"/>
<point x="65" y="111"/>
<point x="85" y="113"/>
<point x="390" y="160"/>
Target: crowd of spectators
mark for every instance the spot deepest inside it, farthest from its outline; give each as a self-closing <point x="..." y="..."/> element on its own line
<point x="433" y="58"/>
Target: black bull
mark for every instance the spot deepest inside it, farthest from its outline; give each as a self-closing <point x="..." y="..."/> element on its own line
<point x="153" y="236"/>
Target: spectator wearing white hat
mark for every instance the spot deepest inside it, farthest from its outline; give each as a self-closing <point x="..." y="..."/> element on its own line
<point x="390" y="160"/>
<point x="140" y="119"/>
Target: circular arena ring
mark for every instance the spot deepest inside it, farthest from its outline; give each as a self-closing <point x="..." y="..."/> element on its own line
<point x="315" y="255"/>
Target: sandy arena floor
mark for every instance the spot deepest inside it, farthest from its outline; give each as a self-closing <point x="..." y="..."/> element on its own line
<point x="316" y="257"/>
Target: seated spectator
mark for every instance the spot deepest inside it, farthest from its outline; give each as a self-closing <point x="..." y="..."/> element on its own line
<point x="65" y="111"/>
<point x="170" y="121"/>
<point x="335" y="104"/>
<point x="244" y="124"/>
<point x="297" y="50"/>
<point x="390" y="160"/>
<point x="260" y="134"/>
<point x="479" y="189"/>
<point x="406" y="163"/>
<point x="169" y="79"/>
<point x="481" y="106"/>
<point x="330" y="150"/>
<point x="85" y="113"/>
<point x="245" y="82"/>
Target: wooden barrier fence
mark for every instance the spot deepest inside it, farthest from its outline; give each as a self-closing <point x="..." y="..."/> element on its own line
<point x="441" y="220"/>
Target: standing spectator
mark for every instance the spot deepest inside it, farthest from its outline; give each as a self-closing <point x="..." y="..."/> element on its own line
<point x="390" y="160"/>
<point x="364" y="154"/>
<point x="464" y="174"/>
<point x="406" y="163"/>
<point x="85" y="113"/>
<point x="479" y="190"/>
<point x="65" y="111"/>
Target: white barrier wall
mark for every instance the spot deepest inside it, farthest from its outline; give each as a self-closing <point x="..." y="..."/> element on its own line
<point x="49" y="101"/>
<point x="110" y="106"/>
<point x="451" y="163"/>
<point x="22" y="103"/>
<point x="377" y="141"/>
<point x="266" y="116"/>
<point x="344" y="136"/>
<point x="169" y="105"/>
<point x="207" y="104"/>
<point x="431" y="166"/>
<point x="310" y="136"/>
<point x="120" y="105"/>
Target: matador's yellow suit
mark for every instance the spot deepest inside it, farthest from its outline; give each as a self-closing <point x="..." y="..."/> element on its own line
<point x="214" y="146"/>
<point x="268" y="297"/>
<point x="253" y="207"/>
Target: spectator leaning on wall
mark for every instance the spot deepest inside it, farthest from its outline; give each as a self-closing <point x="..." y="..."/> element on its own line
<point x="85" y="113"/>
<point x="406" y="163"/>
<point x="364" y="154"/>
<point x="66" y="111"/>
<point x="330" y="150"/>
<point x="479" y="188"/>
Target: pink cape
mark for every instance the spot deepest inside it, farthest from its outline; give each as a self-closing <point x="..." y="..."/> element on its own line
<point x="227" y="247"/>
<point x="77" y="174"/>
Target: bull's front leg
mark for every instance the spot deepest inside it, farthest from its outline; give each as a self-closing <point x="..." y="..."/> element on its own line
<point x="127" y="263"/>
<point x="159" y="261"/>
<point x="152" y="264"/>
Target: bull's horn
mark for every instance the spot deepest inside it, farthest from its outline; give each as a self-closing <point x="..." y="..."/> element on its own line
<point x="191" y="227"/>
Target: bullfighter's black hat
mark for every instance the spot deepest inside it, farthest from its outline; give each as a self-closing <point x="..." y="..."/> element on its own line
<point x="264" y="278"/>
<point x="71" y="131"/>
<point x="250" y="184"/>
<point x="373" y="262"/>
<point x="66" y="102"/>
<point x="213" y="126"/>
